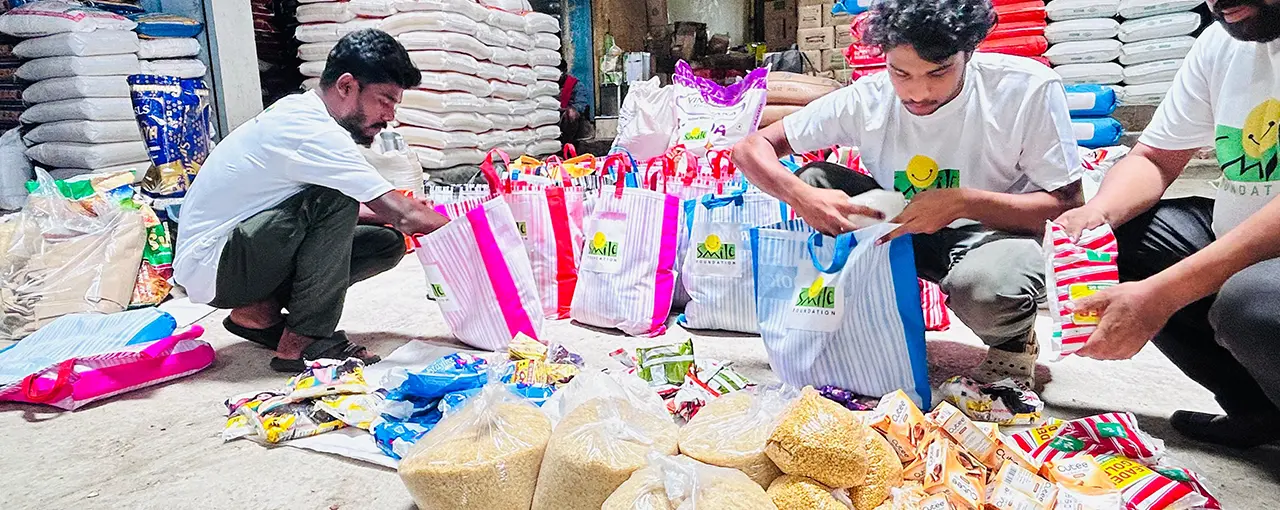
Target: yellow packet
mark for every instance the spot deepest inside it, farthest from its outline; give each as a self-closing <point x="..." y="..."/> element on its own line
<point x="902" y="423"/>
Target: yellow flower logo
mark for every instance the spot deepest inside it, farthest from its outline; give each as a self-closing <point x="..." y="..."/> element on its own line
<point x="598" y="241"/>
<point x="712" y="243"/>
<point x="816" y="288"/>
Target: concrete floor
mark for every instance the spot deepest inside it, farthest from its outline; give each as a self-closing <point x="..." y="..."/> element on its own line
<point x="160" y="447"/>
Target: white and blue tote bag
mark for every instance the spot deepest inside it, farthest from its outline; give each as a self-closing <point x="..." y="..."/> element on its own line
<point x="841" y="311"/>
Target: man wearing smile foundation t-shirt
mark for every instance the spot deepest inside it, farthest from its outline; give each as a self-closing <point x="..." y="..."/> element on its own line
<point x="274" y="221"/>
<point x="980" y="143"/>
<point x="1202" y="275"/>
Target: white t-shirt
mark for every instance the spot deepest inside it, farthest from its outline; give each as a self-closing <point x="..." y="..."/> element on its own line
<point x="1227" y="95"/>
<point x="292" y="144"/>
<point x="1008" y="131"/>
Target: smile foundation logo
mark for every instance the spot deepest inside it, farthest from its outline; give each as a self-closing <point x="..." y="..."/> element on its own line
<point x="437" y="291"/>
<point x="818" y="299"/>
<point x="924" y="173"/>
<point x="714" y="251"/>
<point x="1249" y="156"/>
<point x="602" y="246"/>
<point x="695" y="134"/>
<point x="523" y="228"/>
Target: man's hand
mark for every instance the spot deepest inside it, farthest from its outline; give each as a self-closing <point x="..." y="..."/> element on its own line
<point x="828" y="210"/>
<point x="408" y="215"/>
<point x="928" y="212"/>
<point x="1131" y="314"/>
<point x="1077" y="220"/>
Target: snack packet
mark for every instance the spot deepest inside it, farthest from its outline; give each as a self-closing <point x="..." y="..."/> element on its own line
<point x="534" y="372"/>
<point x="1012" y="476"/>
<point x="1029" y="440"/>
<point x="964" y="432"/>
<point x="628" y="361"/>
<point x="238" y="425"/>
<point x="902" y="423"/>
<point x="174" y="116"/>
<point x="952" y="471"/>
<point x="1003" y="402"/>
<point x="358" y="411"/>
<point x="1144" y="489"/>
<point x="328" y="377"/>
<point x="721" y="377"/>
<point x="524" y="348"/>
<point x="557" y="353"/>
<point x="1073" y="270"/>
<point x="1072" y="497"/>
<point x="281" y="419"/>
<point x="665" y="366"/>
<point x="1081" y="471"/>
<point x="692" y="397"/>
<point x="1003" y="497"/>
<point x="1190" y="479"/>
<point x="848" y="399"/>
<point x="153" y="284"/>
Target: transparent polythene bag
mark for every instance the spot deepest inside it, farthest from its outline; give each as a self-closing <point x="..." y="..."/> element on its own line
<point x="686" y="484"/>
<point x="731" y="431"/>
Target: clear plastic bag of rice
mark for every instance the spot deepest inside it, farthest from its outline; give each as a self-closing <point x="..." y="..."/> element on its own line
<point x="595" y="448"/>
<point x="590" y="385"/>
<point x="820" y="439"/>
<point x="484" y="456"/>
<point x="884" y="473"/>
<point x="671" y="483"/>
<point x="731" y="431"/>
<point x="790" y="492"/>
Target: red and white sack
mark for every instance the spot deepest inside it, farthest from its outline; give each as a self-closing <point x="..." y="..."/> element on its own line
<point x="1074" y="270"/>
<point x="934" y="304"/>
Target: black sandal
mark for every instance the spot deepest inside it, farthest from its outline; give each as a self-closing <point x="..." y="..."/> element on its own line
<point x="335" y="347"/>
<point x="266" y="337"/>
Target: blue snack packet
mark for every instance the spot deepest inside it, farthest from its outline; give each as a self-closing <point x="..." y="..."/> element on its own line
<point x="174" y="116"/>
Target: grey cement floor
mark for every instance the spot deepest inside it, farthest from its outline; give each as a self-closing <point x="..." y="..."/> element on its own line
<point x="160" y="447"/>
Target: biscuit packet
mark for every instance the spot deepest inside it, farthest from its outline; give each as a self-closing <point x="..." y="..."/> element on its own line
<point x="966" y="433"/>
<point x="902" y="423"/>
<point x="1071" y="497"/>
<point x="1144" y="489"/>
<point x="951" y="470"/>
<point x="1040" y="492"/>
<point x="1081" y="471"/>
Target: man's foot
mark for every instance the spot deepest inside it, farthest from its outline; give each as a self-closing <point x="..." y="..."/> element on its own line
<point x="268" y="337"/>
<point x="296" y="350"/>
<point x="261" y="323"/>
<point x="1235" y="431"/>
<point x="1002" y="363"/>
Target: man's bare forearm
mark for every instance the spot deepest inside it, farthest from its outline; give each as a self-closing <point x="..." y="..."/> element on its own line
<point x="1137" y="182"/>
<point x="757" y="157"/>
<point x="1021" y="214"/>
<point x="406" y="214"/>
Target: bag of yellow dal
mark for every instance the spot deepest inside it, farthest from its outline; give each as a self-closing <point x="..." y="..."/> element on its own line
<point x="820" y="439"/>
<point x="686" y="484"/>
<point x="731" y="431"/>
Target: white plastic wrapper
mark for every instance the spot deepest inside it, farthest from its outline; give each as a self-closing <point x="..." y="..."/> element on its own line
<point x="523" y="107"/>
<point x="455" y="82"/>
<point x="423" y="137"/>
<point x="1133" y="9"/>
<point x="314" y="52"/>
<point x="437" y="159"/>
<point x="541" y="57"/>
<point x="442" y="102"/>
<point x="498" y="107"/>
<point x="149" y="49"/>
<point x="435" y="60"/>
<point x="85" y="131"/>
<point x="509" y="57"/>
<point x="506" y="20"/>
<point x="15" y="171"/>
<point x="1152" y="72"/>
<point x="889" y="203"/>
<point x="492" y="139"/>
<point x="550" y="132"/>
<point x="492" y="36"/>
<point x="1109" y="73"/>
<point x="1147" y="94"/>
<point x="1088" y="29"/>
<point x="544" y="117"/>
<point x="113" y="108"/>
<point x="537" y="22"/>
<point x="507" y="122"/>
<point x="76" y="87"/>
<point x="332" y="32"/>
<point x="523" y="136"/>
<point x="519" y="40"/>
<point x="311" y="84"/>
<point x="491" y="71"/>
<point x="78" y="44"/>
<point x="182" y="68"/>
<point x="544" y="88"/>
<point x="430" y="21"/>
<point x="38" y="19"/>
<point x="509" y="91"/>
<point x="548" y="102"/>
<point x="324" y="12"/>
<point x="1063" y="10"/>
<point x="684" y="483"/>
<point x="446" y="41"/>
<point x="457" y="121"/>
<point x="312" y="69"/>
<point x="468" y="8"/>
<point x="1155" y="27"/>
<point x="547" y="73"/>
<point x="1084" y="52"/>
<point x="546" y="41"/>
<point x="521" y="75"/>
<point x="1156" y="49"/>
<point x="81" y="155"/>
<point x="507" y="5"/>
<point x="58" y="67"/>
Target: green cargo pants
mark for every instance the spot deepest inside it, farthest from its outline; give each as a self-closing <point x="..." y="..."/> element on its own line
<point x="304" y="252"/>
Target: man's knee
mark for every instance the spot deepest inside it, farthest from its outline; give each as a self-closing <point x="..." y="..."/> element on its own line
<point x="997" y="285"/>
<point x="1248" y="306"/>
<point x="378" y="248"/>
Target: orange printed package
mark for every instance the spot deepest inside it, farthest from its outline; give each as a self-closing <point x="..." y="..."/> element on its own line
<point x="914" y="472"/>
<point x="950" y="470"/>
<point x="937" y="502"/>
<point x="1015" y="477"/>
<point x="902" y="423"/>
<point x="1006" y="451"/>
<point x="1071" y="497"/>
<point x="1004" y="497"/>
<point x="1081" y="471"/>
<point x="965" y="432"/>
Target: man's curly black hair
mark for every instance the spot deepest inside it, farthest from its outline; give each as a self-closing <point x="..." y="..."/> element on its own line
<point x="936" y="29"/>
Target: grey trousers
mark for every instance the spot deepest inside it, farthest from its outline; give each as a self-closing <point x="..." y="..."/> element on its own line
<point x="992" y="279"/>
<point x="1226" y="342"/>
<point x="304" y="252"/>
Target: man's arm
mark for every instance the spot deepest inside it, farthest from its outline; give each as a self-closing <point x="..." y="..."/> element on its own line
<point x="1133" y="186"/>
<point x="1023" y="213"/>
<point x="406" y="214"/>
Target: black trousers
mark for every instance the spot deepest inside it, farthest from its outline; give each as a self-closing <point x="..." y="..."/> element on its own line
<point x="1226" y="342"/>
<point x="304" y="252"/>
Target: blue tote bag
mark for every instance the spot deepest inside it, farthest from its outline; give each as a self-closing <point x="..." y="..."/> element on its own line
<point x="841" y="311"/>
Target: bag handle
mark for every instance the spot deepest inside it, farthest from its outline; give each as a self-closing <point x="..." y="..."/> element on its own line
<point x="570" y="151"/>
<point x="555" y="168"/>
<point x="844" y="248"/>
<point x="496" y="185"/>
<point x="621" y="173"/>
<point x="717" y="201"/>
<point x="664" y="170"/>
<point x="159" y="347"/>
<point x="65" y="369"/>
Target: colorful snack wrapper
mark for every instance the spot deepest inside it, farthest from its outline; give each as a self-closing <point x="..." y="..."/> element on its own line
<point x="1081" y="471"/>
<point x="358" y="411"/>
<point x="902" y="423"/>
<point x="1003" y="497"/>
<point x="952" y="471"/>
<point x="328" y="377"/>
<point x="1115" y="433"/>
<point x="1012" y="476"/>
<point x="722" y="378"/>
<point x="1007" y="451"/>
<point x="173" y="114"/>
<point x="692" y="397"/>
<point x="557" y="353"/>
<point x="665" y="366"/>
<point x="1003" y="402"/>
<point x="522" y="347"/>
<point x="1028" y="441"/>
<point x="1190" y="479"/>
<point x="1144" y="489"/>
<point x="1072" y="497"/>
<point x="153" y="284"/>
<point x="937" y="502"/>
<point x="848" y="399"/>
<point x="282" y="419"/>
<point x="1074" y="270"/>
<point x="238" y="425"/>
<point x="534" y="372"/>
<point x="627" y="360"/>
<point x="964" y="432"/>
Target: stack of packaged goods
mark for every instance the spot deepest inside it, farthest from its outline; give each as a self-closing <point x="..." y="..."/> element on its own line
<point x="1019" y="30"/>
<point x="789" y="92"/>
<point x="79" y="59"/>
<point x="1083" y="38"/>
<point x="273" y="24"/>
<point x="11" y="106"/>
<point x="863" y="59"/>
<point x="167" y="45"/>
<point x="824" y="35"/>
<point x="1156" y="37"/>
<point x="1091" y="108"/>
<point x="490" y="73"/>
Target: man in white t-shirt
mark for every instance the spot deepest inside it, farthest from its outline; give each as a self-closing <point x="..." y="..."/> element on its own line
<point x="1204" y="273"/>
<point x="980" y="143"/>
<point x="271" y="222"/>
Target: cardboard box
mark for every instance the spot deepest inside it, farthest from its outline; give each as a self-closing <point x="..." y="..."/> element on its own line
<point x="781" y="24"/>
<point x="833" y="60"/>
<point x="829" y="20"/>
<point x="810" y="16"/>
<point x="844" y="76"/>
<point x="844" y="38"/>
<point x="814" y="58"/>
<point x="812" y="2"/>
<point x="816" y="38"/>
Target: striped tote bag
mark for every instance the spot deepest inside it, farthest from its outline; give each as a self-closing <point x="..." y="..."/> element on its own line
<point x="480" y="276"/>
<point x="717" y="271"/>
<point x="628" y="272"/>
<point x="841" y="311"/>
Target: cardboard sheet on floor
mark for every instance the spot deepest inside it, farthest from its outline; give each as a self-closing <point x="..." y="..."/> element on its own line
<point x="358" y="444"/>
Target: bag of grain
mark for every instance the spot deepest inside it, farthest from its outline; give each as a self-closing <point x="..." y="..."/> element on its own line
<point x="596" y="448"/>
<point x="884" y="472"/>
<point x="790" y="492"/>
<point x="820" y="439"/>
<point x="686" y="484"/>
<point x="485" y="456"/>
<point x="731" y="431"/>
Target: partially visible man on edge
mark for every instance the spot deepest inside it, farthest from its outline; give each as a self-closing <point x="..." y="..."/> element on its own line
<point x="964" y="135"/>
<point x="1204" y="274"/>
<point x="275" y="220"/>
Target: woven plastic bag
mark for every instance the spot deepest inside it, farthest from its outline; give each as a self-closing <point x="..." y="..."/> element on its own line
<point x="686" y="484"/>
<point x="647" y="119"/>
<point x="709" y="116"/>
